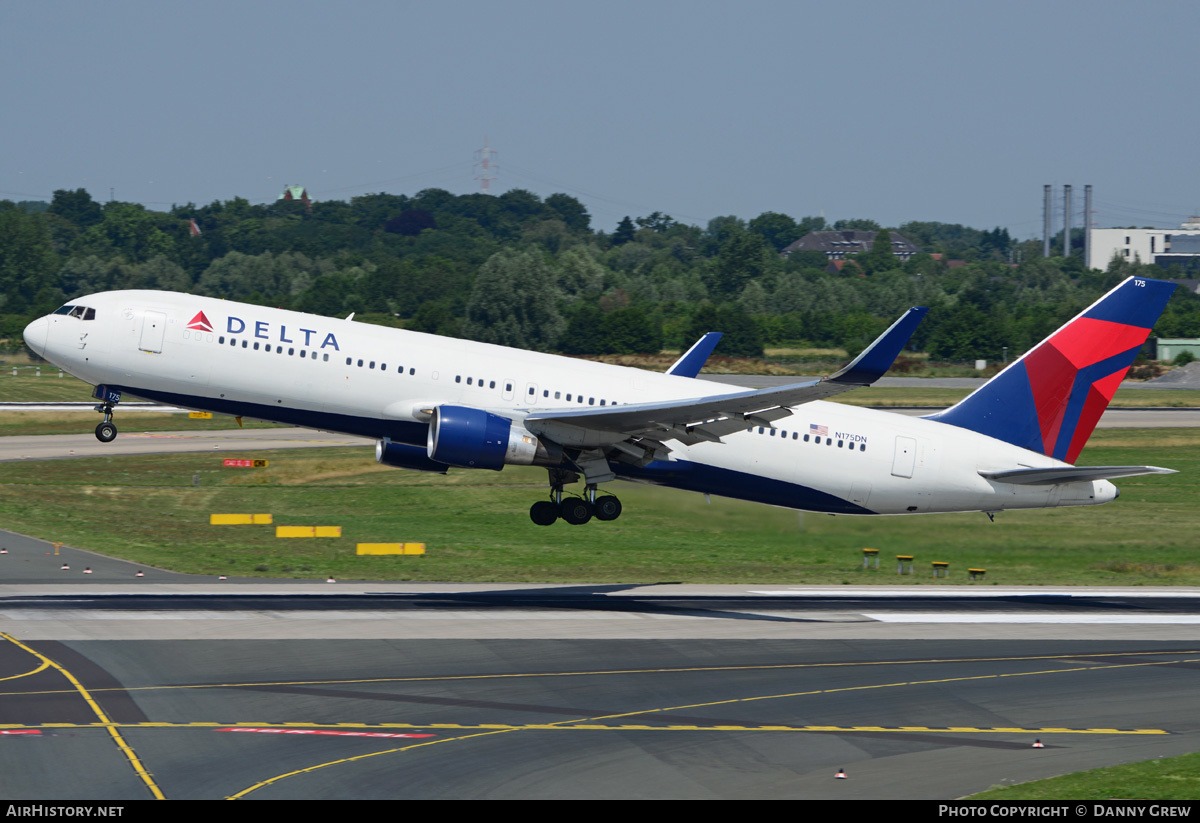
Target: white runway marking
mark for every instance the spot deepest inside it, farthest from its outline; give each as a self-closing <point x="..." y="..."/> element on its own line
<point x="1090" y="619"/>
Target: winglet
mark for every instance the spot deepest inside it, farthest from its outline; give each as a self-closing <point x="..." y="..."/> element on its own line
<point x="878" y="357"/>
<point x="694" y="358"/>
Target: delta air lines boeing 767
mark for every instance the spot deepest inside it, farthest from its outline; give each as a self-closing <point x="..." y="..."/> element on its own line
<point x="432" y="402"/>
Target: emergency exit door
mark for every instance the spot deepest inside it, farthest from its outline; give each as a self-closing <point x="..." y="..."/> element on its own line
<point x="906" y="457"/>
<point x="154" y="326"/>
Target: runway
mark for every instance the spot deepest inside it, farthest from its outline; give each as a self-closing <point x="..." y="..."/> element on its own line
<point x="268" y="690"/>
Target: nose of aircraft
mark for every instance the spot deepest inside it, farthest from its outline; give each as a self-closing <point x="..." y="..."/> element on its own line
<point x="35" y="335"/>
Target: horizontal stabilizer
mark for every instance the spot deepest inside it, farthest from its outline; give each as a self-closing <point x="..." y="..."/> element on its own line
<point x="1069" y="474"/>
<point x="693" y="359"/>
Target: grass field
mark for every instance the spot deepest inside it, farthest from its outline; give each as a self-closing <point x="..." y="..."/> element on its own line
<point x="477" y="529"/>
<point x="1175" y="778"/>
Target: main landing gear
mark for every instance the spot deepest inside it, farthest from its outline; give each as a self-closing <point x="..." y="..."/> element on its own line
<point x="574" y="510"/>
<point x="106" y="432"/>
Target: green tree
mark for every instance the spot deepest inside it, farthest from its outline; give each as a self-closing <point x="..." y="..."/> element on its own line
<point x="624" y="232"/>
<point x="76" y="207"/>
<point x="657" y="222"/>
<point x="28" y="264"/>
<point x="740" y="334"/>
<point x="584" y="333"/>
<point x="569" y="210"/>
<point x="778" y="230"/>
<point x="436" y="318"/>
<point x="742" y="258"/>
<point x="515" y="302"/>
<point x="631" y="331"/>
<point x="880" y="258"/>
<point x="856" y="224"/>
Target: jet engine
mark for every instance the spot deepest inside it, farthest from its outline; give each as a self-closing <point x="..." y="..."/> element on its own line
<point x="404" y="456"/>
<point x="475" y="439"/>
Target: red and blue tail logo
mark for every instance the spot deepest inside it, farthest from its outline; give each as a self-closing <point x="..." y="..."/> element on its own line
<point x="1050" y="400"/>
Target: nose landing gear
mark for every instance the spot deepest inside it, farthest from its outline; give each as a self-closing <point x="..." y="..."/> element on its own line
<point x="106" y="432"/>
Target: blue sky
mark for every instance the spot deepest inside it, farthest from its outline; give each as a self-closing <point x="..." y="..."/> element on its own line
<point x="921" y="110"/>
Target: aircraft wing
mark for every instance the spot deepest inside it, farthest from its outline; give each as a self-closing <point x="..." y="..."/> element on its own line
<point x="707" y="418"/>
<point x="1069" y="474"/>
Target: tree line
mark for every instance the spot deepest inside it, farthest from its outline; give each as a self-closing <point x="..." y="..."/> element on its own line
<point x="520" y="270"/>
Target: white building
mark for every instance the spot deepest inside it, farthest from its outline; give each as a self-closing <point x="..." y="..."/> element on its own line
<point x="1161" y="246"/>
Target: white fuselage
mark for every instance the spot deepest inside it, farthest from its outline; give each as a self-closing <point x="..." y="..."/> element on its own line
<point x="339" y="375"/>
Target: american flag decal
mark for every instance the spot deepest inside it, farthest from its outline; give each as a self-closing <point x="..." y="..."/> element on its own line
<point x="820" y="431"/>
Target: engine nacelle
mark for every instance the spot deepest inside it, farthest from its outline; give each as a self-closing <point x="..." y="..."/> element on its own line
<point x="475" y="439"/>
<point x="404" y="456"/>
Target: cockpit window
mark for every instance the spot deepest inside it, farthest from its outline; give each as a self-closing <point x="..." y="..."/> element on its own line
<point x="79" y="312"/>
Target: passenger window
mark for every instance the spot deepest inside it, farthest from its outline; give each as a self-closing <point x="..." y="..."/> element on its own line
<point x="348" y="360"/>
<point x="458" y="378"/>
<point x="372" y="364"/>
<point x="468" y="381"/>
<point x="491" y="384"/>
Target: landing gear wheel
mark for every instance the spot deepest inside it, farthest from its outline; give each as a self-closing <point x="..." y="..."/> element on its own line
<point x="576" y="511"/>
<point x="607" y="507"/>
<point x="106" y="432"/>
<point x="543" y="513"/>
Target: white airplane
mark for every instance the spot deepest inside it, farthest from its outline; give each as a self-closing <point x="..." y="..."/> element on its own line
<point x="433" y="402"/>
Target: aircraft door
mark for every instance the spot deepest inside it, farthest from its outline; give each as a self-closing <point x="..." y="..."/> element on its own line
<point x="154" y="326"/>
<point x="906" y="457"/>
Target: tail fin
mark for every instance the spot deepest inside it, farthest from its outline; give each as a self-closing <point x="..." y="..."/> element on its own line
<point x="1050" y="400"/>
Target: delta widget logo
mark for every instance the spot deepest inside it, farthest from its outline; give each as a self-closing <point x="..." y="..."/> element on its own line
<point x="200" y="322"/>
